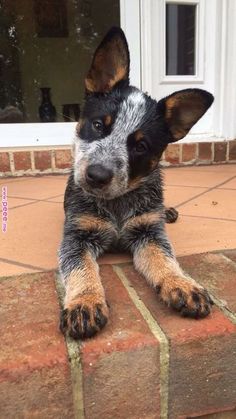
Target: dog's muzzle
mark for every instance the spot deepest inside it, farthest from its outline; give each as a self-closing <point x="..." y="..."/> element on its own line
<point x="98" y="176"/>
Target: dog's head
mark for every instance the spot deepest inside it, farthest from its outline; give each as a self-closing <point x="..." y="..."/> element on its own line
<point x="123" y="132"/>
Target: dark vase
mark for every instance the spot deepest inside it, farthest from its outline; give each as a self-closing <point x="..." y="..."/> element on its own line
<point x="47" y="112"/>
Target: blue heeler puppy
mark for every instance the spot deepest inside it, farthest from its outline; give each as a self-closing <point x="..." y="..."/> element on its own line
<point x="114" y="194"/>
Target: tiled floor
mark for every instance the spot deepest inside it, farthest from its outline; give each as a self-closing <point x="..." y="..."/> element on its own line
<point x="204" y="196"/>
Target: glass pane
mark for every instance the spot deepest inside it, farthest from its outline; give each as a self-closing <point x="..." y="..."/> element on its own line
<point x="180" y="39"/>
<point x="46" y="48"/>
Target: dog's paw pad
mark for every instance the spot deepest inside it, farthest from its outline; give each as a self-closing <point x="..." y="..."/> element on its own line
<point x="83" y="320"/>
<point x="196" y="303"/>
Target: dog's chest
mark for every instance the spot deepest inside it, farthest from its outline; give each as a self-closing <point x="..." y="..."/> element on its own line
<point x="118" y="211"/>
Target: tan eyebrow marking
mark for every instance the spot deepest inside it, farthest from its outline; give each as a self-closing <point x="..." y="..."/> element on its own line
<point x="107" y="120"/>
<point x="138" y="135"/>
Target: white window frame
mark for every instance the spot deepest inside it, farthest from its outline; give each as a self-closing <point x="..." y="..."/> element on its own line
<point x="130" y="23"/>
<point x="62" y="133"/>
<point x="199" y="45"/>
<point x="36" y="134"/>
<point x="147" y="43"/>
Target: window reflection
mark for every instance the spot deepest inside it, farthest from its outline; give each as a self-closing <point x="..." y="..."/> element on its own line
<point x="180" y="39"/>
<point x="45" y="50"/>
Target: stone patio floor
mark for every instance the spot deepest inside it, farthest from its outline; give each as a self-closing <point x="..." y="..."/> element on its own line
<point x="205" y="197"/>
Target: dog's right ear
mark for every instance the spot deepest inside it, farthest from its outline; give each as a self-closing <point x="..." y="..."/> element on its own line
<point x="110" y="63"/>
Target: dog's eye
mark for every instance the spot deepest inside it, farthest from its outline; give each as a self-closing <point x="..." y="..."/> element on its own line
<point x="141" y="147"/>
<point x="97" y="125"/>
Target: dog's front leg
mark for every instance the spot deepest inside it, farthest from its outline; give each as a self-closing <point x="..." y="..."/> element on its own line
<point x="154" y="259"/>
<point x="85" y="308"/>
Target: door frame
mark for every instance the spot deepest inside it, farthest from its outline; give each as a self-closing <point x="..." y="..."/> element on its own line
<point x="222" y="61"/>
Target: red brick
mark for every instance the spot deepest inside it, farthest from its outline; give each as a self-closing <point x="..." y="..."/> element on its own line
<point x="4" y="162"/>
<point x="42" y="160"/>
<point x="205" y="151"/>
<point x="232" y="150"/>
<point x="202" y="366"/>
<point x="188" y="152"/>
<point x="172" y="153"/>
<point x="34" y="372"/>
<point x="121" y="364"/>
<point x="220" y="151"/>
<point x="63" y="159"/>
<point x="216" y="273"/>
<point x="22" y="160"/>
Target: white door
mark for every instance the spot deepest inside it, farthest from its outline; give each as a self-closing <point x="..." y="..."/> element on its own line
<point x="179" y="50"/>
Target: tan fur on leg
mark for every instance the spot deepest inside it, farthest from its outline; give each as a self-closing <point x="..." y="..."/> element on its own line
<point x="85" y="309"/>
<point x="176" y="288"/>
<point x="84" y="280"/>
<point x="156" y="266"/>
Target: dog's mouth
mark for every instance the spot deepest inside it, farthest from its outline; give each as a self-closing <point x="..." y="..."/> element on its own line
<point x="106" y="192"/>
<point x="111" y="191"/>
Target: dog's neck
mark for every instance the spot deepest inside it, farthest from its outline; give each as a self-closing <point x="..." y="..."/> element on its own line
<point x="147" y="197"/>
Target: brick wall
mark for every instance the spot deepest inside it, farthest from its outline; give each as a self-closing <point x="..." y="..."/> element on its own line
<point x="200" y="153"/>
<point x="33" y="161"/>
<point x="19" y="162"/>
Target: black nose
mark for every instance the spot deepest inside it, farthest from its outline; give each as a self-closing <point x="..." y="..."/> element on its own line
<point x="97" y="175"/>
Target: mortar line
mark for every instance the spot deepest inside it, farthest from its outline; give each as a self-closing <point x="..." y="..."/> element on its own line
<point x="228" y="259"/>
<point x="225" y="310"/>
<point x="23" y="265"/>
<point x="35" y="199"/>
<point x="207" y="218"/>
<point x="166" y="185"/>
<point x="204" y="192"/>
<point x="73" y="349"/>
<point x="23" y="205"/>
<point x="12" y="179"/>
<point x="231" y="315"/>
<point x="193" y="187"/>
<point x="159" y="335"/>
<point x="32" y="202"/>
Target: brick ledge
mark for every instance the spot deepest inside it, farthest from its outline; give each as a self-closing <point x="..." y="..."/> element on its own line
<point x="48" y="160"/>
<point x="147" y="363"/>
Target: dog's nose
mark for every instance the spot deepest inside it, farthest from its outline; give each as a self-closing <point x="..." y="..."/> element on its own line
<point x="98" y="176"/>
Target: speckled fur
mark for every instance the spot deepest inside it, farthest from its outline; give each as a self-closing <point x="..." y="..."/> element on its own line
<point x="127" y="213"/>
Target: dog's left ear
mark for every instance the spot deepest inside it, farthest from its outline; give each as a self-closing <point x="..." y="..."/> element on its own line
<point x="183" y="109"/>
<point x="110" y="63"/>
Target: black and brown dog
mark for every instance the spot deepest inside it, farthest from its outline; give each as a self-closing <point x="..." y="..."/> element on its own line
<point x="114" y="195"/>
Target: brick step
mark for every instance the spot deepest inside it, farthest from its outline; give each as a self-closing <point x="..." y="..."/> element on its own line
<point x="146" y="363"/>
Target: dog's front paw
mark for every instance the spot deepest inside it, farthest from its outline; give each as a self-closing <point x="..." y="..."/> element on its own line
<point x="187" y="297"/>
<point x="84" y="316"/>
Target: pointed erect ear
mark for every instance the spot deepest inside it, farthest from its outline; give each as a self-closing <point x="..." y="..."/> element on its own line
<point x="110" y="63"/>
<point x="183" y="109"/>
